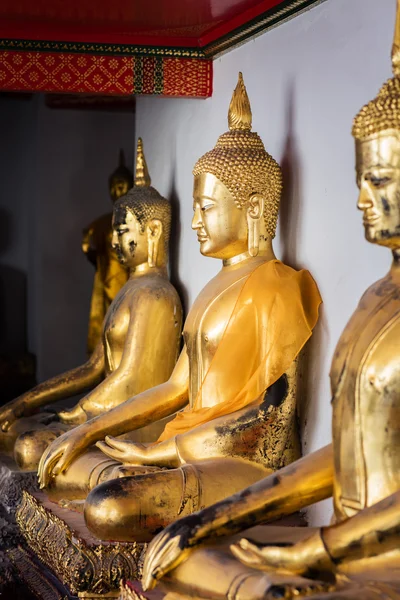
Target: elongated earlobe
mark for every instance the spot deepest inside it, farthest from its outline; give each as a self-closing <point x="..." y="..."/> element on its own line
<point x="253" y="236"/>
<point x="254" y="215"/>
<point x="152" y="253"/>
<point x="154" y="231"/>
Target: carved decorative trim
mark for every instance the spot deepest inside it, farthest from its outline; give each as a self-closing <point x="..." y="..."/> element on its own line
<point x="257" y="26"/>
<point x="32" y="576"/>
<point x="103" y="49"/>
<point x="86" y="570"/>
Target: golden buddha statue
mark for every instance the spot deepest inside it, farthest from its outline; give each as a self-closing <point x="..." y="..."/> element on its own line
<point x="141" y="332"/>
<point x="110" y="274"/>
<point x="236" y="377"/>
<point x="358" y="556"/>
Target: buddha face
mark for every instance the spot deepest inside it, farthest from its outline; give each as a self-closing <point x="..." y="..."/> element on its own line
<point x="378" y="178"/>
<point x="220" y="225"/>
<point x="129" y="240"/>
<point x="119" y="187"/>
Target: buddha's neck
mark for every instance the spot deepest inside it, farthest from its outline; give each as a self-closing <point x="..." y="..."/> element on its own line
<point x="145" y="269"/>
<point x="265" y="252"/>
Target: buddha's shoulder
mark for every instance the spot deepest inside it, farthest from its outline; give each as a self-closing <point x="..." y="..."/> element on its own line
<point x="278" y="278"/>
<point x="152" y="289"/>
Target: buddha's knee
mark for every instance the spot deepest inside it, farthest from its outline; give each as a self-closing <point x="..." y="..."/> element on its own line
<point x="29" y="447"/>
<point x="133" y="508"/>
<point x="113" y="511"/>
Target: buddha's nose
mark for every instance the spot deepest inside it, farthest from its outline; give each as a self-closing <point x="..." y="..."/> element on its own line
<point x="197" y="222"/>
<point x="365" y="197"/>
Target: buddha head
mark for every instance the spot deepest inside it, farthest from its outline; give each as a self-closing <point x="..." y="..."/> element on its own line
<point x="121" y="180"/>
<point x="141" y="221"/>
<point x="237" y="188"/>
<point x="376" y="130"/>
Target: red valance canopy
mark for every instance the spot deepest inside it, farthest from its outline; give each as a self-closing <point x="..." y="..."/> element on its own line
<point x="126" y="47"/>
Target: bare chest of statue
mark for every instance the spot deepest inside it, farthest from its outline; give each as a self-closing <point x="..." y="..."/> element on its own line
<point x="365" y="380"/>
<point x="116" y="325"/>
<point x="207" y="321"/>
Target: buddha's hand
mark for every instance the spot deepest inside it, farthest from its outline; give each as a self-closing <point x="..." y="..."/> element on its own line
<point x="125" y="451"/>
<point x="168" y="549"/>
<point x="10" y="412"/>
<point x="60" y="454"/>
<point x="301" y="558"/>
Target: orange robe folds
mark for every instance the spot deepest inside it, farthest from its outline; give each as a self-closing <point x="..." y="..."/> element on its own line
<point x="273" y="318"/>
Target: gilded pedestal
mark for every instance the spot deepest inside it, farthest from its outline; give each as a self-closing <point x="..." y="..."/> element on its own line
<point x="12" y="483"/>
<point x="87" y="567"/>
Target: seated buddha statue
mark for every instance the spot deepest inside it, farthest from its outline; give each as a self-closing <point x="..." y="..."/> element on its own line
<point x="110" y="274"/>
<point x="141" y="332"/>
<point x="359" y="552"/>
<point x="236" y="378"/>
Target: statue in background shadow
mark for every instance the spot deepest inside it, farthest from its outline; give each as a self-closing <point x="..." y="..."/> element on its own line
<point x="140" y="337"/>
<point x="359" y="555"/>
<point x="110" y="274"/>
<point x="236" y="378"/>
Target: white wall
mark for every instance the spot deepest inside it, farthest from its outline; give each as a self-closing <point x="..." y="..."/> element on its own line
<point x="306" y="80"/>
<point x="54" y="170"/>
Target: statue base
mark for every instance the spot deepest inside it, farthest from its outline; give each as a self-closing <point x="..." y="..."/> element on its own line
<point x="12" y="484"/>
<point x="62" y="546"/>
<point x="41" y="582"/>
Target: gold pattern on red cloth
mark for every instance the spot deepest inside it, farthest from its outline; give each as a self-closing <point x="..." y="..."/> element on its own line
<point x="114" y="75"/>
<point x="187" y="77"/>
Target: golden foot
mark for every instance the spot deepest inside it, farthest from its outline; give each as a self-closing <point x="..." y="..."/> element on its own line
<point x="73" y="416"/>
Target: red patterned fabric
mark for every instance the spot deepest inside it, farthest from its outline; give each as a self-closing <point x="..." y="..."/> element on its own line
<point x="115" y="75"/>
<point x="59" y="72"/>
<point x="148" y="79"/>
<point x="187" y="77"/>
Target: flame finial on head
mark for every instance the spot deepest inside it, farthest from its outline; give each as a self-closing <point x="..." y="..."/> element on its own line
<point x="142" y="177"/>
<point x="396" y="43"/>
<point x="239" y="115"/>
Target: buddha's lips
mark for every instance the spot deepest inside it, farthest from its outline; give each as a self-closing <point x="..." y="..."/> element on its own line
<point x="370" y="218"/>
<point x="202" y="238"/>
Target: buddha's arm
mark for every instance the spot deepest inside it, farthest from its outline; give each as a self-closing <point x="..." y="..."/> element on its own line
<point x="372" y="531"/>
<point x="61" y="386"/>
<point x="145" y="408"/>
<point x="298" y="485"/>
<point x="150" y="340"/>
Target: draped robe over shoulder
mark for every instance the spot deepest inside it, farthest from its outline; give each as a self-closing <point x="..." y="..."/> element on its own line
<point x="272" y="319"/>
